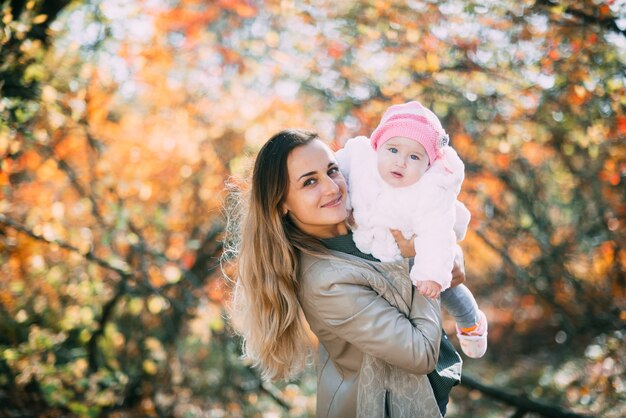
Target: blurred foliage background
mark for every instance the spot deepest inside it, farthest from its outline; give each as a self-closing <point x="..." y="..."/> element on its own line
<point x="120" y="121"/>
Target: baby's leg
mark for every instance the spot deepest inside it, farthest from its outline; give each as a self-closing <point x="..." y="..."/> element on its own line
<point x="471" y="322"/>
<point x="460" y="303"/>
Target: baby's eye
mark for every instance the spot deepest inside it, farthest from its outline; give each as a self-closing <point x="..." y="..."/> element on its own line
<point x="310" y="181"/>
<point x="393" y="150"/>
<point x="415" y="157"/>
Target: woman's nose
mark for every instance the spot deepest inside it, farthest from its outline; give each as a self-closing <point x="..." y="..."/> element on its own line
<point x="330" y="186"/>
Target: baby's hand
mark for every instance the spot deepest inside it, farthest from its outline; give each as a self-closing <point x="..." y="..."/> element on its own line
<point x="429" y="288"/>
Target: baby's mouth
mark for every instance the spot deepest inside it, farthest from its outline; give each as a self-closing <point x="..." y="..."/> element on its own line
<point x="397" y="175"/>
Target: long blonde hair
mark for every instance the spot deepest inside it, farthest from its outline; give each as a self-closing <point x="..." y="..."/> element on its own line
<point x="265" y="308"/>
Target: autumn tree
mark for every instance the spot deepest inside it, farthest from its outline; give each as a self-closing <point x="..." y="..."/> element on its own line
<point x="120" y="123"/>
<point x="110" y="218"/>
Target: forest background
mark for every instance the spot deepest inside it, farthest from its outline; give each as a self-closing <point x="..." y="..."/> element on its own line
<point x="120" y="122"/>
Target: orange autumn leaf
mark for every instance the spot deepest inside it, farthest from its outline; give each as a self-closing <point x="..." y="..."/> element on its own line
<point x="613" y="178"/>
<point x="335" y="50"/>
<point x="535" y="153"/>
<point x="183" y="18"/>
<point x="462" y="142"/>
<point x="503" y="161"/>
<point x="621" y="125"/>
<point x="241" y="7"/>
<point x="216" y="290"/>
<point x="605" y="10"/>
<point x="554" y="54"/>
<point x="576" y="96"/>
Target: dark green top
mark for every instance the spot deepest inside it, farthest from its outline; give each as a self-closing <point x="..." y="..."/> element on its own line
<point x="448" y="371"/>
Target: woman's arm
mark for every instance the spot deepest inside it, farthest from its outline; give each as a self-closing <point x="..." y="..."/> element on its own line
<point x="340" y="300"/>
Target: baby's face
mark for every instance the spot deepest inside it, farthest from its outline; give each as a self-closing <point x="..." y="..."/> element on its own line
<point x="401" y="161"/>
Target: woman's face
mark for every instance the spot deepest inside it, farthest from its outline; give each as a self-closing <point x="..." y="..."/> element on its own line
<point x="316" y="197"/>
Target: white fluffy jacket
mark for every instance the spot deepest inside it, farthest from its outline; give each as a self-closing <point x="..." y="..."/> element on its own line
<point x="428" y="209"/>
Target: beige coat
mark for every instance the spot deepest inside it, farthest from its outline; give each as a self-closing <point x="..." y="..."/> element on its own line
<point x="378" y="338"/>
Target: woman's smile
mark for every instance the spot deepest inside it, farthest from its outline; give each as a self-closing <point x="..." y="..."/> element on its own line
<point x="333" y="203"/>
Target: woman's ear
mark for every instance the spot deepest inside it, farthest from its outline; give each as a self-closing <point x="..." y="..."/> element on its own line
<point x="284" y="209"/>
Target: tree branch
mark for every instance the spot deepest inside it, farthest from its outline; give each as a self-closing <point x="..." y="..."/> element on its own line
<point x="528" y="279"/>
<point x="608" y="23"/>
<point x="524" y="403"/>
<point x="49" y="152"/>
<point x="107" y="310"/>
<point x="89" y="255"/>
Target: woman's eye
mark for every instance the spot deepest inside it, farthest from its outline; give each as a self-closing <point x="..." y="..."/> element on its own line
<point x="333" y="171"/>
<point x="415" y="157"/>
<point x="309" y="182"/>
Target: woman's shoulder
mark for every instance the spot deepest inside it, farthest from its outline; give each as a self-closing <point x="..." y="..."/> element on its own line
<point x="321" y="274"/>
<point x="326" y="271"/>
<point x="313" y="265"/>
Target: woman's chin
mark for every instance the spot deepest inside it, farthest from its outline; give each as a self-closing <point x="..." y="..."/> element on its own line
<point x="337" y="216"/>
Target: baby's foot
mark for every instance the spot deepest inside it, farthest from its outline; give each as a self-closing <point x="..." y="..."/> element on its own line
<point x="474" y="339"/>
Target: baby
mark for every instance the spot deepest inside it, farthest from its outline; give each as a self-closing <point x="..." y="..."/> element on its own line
<point x="407" y="177"/>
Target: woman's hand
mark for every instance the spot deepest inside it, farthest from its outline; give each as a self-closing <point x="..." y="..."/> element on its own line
<point x="458" y="270"/>
<point x="407" y="246"/>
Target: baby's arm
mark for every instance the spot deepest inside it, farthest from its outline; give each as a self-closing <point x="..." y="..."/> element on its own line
<point x="462" y="220"/>
<point x="435" y="239"/>
<point x="441" y="220"/>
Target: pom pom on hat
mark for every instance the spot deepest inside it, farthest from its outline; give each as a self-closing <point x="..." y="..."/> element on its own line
<point x="413" y="121"/>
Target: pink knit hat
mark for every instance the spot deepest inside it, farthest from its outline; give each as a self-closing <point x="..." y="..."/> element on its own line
<point x="413" y="121"/>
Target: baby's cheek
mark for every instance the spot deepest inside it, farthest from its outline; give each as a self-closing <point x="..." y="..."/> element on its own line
<point x="380" y="164"/>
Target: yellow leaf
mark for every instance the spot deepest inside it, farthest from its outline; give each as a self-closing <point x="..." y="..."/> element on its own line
<point x="580" y="91"/>
<point x="172" y="273"/>
<point x="149" y="366"/>
<point x="420" y="65"/>
<point x="40" y="19"/>
<point x="156" y="304"/>
<point x="432" y="61"/>
<point x="412" y="35"/>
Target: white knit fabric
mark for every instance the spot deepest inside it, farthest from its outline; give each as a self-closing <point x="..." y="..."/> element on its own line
<point x="428" y="209"/>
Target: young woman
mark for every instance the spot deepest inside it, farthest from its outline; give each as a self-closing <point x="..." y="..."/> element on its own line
<point x="298" y="268"/>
